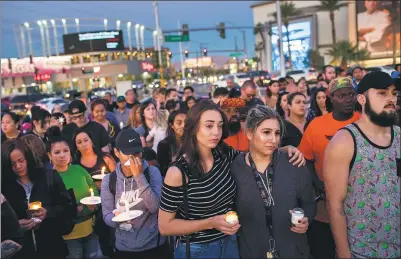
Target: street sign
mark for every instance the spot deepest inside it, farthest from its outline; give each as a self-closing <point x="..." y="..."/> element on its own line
<point x="237" y="54"/>
<point x="176" y="38"/>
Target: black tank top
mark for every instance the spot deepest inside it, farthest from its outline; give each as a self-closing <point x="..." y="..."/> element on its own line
<point x="97" y="168"/>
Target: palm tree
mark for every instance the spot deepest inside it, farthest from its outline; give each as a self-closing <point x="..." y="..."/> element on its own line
<point x="288" y="11"/>
<point x="331" y="6"/>
<point x="259" y="47"/>
<point x="315" y="59"/>
<point x="343" y="52"/>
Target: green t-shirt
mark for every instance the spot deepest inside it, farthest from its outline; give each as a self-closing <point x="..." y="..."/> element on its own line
<point x="77" y="178"/>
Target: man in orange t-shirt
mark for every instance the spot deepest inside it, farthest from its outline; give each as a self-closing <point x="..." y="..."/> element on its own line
<point x="342" y="94"/>
<point x="237" y="138"/>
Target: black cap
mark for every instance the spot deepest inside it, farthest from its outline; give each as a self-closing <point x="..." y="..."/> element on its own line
<point x="120" y="99"/>
<point x="129" y="142"/>
<point x="76" y="104"/>
<point x="375" y="80"/>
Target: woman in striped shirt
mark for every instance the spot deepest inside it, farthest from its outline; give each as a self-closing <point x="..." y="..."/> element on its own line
<point x="209" y="189"/>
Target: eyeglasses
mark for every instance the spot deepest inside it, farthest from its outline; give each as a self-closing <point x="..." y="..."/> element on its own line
<point x="343" y="96"/>
<point x="77" y="117"/>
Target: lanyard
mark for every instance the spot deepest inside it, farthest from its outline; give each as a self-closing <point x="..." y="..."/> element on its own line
<point x="268" y="202"/>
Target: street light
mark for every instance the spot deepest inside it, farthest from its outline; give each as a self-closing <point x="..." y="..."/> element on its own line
<point x="47" y="34"/>
<point x="77" y="23"/>
<point x="28" y="31"/>
<point x="155" y="40"/>
<point x="137" y="36"/>
<point x="142" y="29"/>
<point x="53" y="22"/>
<point x="118" y="24"/>
<point x="129" y="35"/>
<point x="64" y="25"/>
<point x="42" y="37"/>
<point x="26" y="24"/>
<point x="105" y="24"/>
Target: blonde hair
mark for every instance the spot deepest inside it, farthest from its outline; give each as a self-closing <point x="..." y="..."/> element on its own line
<point x="132" y="122"/>
<point x="162" y="119"/>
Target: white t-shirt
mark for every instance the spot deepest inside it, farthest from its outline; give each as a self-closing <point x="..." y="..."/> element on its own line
<point x="158" y="135"/>
<point x="378" y="21"/>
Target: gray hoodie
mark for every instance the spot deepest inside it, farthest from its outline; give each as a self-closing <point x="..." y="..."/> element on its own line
<point x="144" y="231"/>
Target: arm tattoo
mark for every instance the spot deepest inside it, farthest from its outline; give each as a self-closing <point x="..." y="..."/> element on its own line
<point x="342" y="211"/>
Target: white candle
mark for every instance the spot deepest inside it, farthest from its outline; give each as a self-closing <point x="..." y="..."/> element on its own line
<point x="121" y="124"/>
<point x="103" y="170"/>
<point x="92" y="193"/>
<point x="126" y="206"/>
<point x="297" y="214"/>
<point x="231" y="217"/>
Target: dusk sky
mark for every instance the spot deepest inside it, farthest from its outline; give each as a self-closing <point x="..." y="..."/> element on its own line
<point x="195" y="13"/>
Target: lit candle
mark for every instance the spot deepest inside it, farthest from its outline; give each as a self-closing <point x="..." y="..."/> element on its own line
<point x="121" y="124"/>
<point x="92" y="193"/>
<point x="231" y="217"/>
<point x="35" y="205"/>
<point x="126" y="206"/>
<point x="103" y="170"/>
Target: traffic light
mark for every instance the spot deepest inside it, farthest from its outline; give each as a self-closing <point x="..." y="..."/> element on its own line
<point x="221" y="29"/>
<point x="170" y="55"/>
<point x="186" y="53"/>
<point x="185" y="29"/>
<point x="205" y="52"/>
<point x="246" y="62"/>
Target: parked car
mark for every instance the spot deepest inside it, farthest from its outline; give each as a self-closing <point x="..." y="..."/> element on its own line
<point x="72" y="94"/>
<point x="101" y="92"/>
<point x="240" y="78"/>
<point x="264" y="77"/>
<point x="48" y="103"/>
<point x="310" y="74"/>
<point x="20" y="104"/>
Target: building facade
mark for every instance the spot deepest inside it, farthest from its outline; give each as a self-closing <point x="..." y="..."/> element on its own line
<point x="311" y="29"/>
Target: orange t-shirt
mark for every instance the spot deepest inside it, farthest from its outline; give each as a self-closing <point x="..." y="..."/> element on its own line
<point x="238" y="141"/>
<point x="317" y="137"/>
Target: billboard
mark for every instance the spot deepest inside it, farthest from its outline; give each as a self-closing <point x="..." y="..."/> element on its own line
<point x="374" y="26"/>
<point x="198" y="62"/>
<point x="93" y="41"/>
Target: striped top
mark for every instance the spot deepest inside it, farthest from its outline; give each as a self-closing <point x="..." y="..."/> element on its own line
<point x="211" y="195"/>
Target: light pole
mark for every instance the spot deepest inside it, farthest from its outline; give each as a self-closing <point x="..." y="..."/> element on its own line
<point x="42" y="38"/>
<point x="47" y="34"/>
<point x="137" y="36"/>
<point x="28" y="31"/>
<point x="141" y="33"/>
<point x="181" y="56"/>
<point x="22" y="34"/>
<point x="77" y="23"/>
<point x="53" y="22"/>
<point x="64" y="26"/>
<point x="159" y="47"/>
<point x="129" y="35"/>
<point x="280" y="36"/>
<point x="118" y="25"/>
<point x="105" y="24"/>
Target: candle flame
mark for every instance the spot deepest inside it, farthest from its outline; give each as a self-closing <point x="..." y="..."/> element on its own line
<point x="91" y="190"/>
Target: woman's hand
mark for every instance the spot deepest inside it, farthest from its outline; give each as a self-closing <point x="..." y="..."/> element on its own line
<point x="40" y="214"/>
<point x="302" y="225"/>
<point x="219" y="223"/>
<point x="296" y="157"/>
<point x="27" y="224"/>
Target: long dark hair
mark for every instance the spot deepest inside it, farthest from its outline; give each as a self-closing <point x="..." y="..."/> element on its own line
<point x="190" y="146"/>
<point x="171" y="138"/>
<point x="76" y="155"/>
<point x="143" y="106"/>
<point x="313" y="102"/>
<point x="280" y="110"/>
<point x="7" y="171"/>
<point x="291" y="98"/>
<point x="269" y="93"/>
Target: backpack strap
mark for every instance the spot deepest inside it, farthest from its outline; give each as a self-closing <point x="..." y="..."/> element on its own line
<point x="113" y="183"/>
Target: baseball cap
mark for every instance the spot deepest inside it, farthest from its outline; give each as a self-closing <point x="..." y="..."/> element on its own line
<point x="340" y="83"/>
<point x="120" y="99"/>
<point x="76" y="104"/>
<point x="129" y="142"/>
<point x="375" y="80"/>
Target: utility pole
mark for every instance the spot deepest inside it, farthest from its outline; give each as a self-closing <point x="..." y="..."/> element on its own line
<point x="159" y="47"/>
<point x="181" y="57"/>
<point x="280" y="36"/>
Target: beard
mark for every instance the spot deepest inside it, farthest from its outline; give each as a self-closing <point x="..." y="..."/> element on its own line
<point x="383" y="119"/>
<point x="234" y="125"/>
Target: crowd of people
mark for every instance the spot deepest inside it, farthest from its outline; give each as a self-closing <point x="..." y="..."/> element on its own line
<point x="301" y="172"/>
